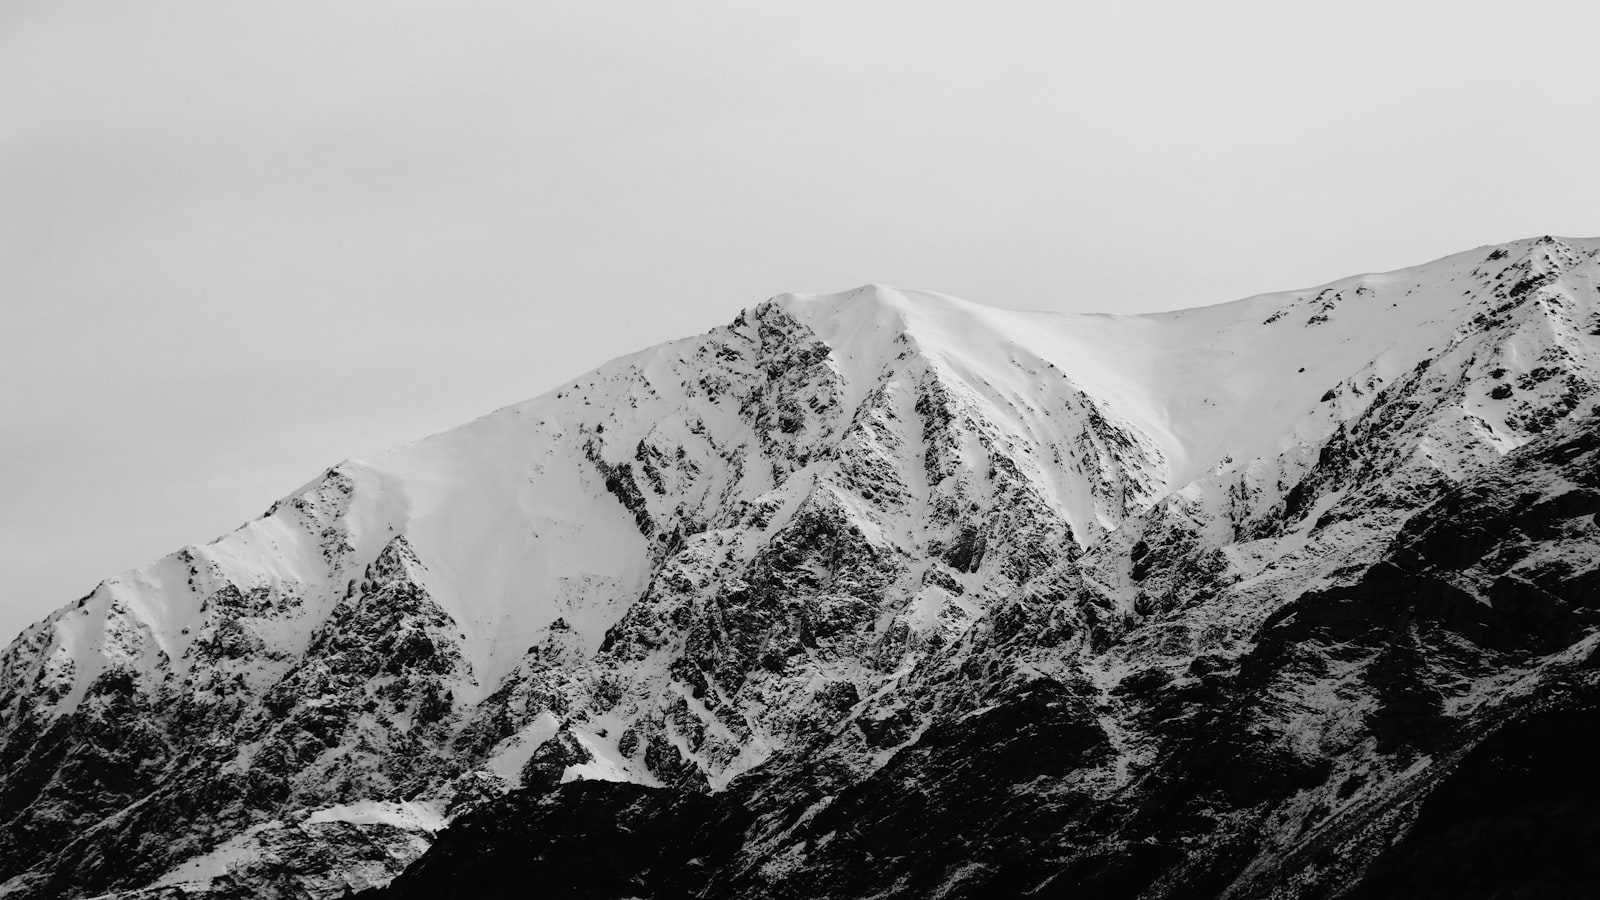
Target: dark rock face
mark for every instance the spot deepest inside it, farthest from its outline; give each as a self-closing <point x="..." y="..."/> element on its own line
<point x="589" y="839"/>
<point x="1513" y="818"/>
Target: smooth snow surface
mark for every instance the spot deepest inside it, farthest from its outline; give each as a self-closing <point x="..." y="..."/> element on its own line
<point x="1204" y="384"/>
<point x="408" y="816"/>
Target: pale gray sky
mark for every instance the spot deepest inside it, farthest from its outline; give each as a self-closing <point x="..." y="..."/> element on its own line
<point x="242" y="241"/>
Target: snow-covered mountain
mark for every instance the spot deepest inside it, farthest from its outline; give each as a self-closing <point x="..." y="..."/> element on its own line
<point x="878" y="593"/>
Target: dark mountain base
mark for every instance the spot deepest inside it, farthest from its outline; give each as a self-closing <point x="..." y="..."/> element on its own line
<point x="1515" y="820"/>
<point x="1512" y="819"/>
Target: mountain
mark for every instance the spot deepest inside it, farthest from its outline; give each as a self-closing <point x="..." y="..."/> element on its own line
<point x="886" y="594"/>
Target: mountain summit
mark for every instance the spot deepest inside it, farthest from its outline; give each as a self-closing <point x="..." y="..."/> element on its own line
<point x="887" y="594"/>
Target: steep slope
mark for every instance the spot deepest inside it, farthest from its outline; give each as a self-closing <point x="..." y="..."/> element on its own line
<point x="864" y="575"/>
<point x="1417" y="730"/>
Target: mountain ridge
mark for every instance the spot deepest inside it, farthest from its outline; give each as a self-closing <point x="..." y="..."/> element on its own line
<point x="799" y="536"/>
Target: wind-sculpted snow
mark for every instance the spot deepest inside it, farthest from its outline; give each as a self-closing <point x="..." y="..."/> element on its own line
<point x="878" y="593"/>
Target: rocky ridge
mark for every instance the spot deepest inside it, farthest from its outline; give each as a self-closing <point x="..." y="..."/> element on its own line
<point x="876" y="594"/>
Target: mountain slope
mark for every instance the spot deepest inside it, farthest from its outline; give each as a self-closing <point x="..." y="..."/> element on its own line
<point x="1258" y="788"/>
<point x="1008" y="574"/>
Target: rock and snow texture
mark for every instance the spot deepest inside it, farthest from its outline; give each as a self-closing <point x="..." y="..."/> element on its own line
<point x="850" y="554"/>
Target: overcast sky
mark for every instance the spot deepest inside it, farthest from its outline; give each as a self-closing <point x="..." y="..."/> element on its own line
<point x="240" y="242"/>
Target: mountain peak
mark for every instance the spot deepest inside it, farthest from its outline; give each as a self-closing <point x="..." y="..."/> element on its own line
<point x="873" y="308"/>
<point x="857" y="533"/>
